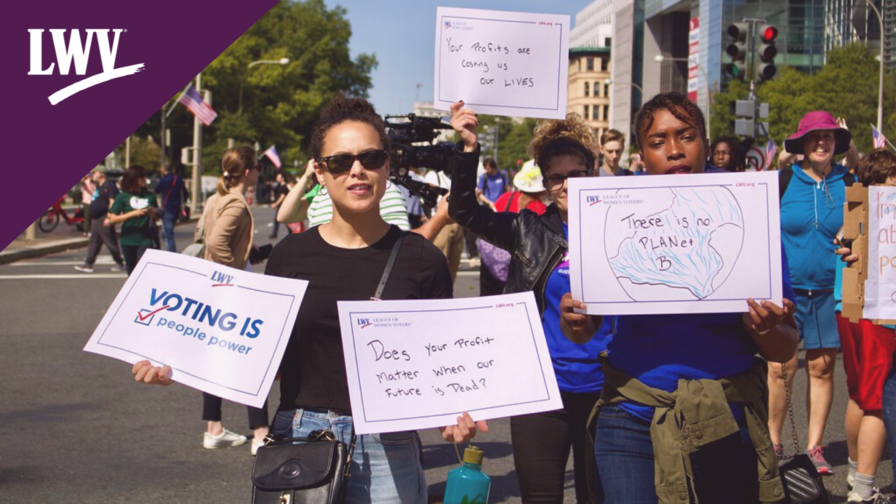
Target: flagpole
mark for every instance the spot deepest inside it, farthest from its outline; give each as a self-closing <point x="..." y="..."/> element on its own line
<point x="197" y="153"/>
<point x="171" y="109"/>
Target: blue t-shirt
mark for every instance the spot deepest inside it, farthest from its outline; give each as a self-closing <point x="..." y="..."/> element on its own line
<point x="492" y="186"/>
<point x="811" y="216"/>
<point x="170" y="188"/>
<point x="659" y="350"/>
<point x="575" y="365"/>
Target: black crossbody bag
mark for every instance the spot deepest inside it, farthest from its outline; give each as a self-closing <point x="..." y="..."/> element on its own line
<point x="313" y="469"/>
<point x="802" y="483"/>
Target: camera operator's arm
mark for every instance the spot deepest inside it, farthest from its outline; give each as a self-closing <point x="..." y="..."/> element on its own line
<point x="431" y="228"/>
<point x="463" y="206"/>
<point x="294" y="207"/>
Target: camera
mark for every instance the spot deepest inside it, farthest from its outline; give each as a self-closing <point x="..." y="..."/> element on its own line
<point x="414" y="146"/>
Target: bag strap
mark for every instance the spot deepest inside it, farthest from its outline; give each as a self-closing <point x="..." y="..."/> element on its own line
<point x="168" y="194"/>
<point x="796" y="443"/>
<point x="387" y="272"/>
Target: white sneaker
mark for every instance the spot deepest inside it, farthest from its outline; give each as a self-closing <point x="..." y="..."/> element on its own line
<point x="84" y="268"/>
<point x="225" y="439"/>
<point x="256" y="444"/>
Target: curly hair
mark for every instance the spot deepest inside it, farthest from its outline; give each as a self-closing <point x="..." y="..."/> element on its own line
<point x="562" y="137"/>
<point x="341" y="109"/>
<point x="234" y="164"/>
<point x="876" y="167"/>
<point x="678" y="104"/>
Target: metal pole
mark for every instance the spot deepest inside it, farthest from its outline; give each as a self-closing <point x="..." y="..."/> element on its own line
<point x="880" y="90"/>
<point x="197" y="155"/>
<point x="162" y="137"/>
<point x="127" y="153"/>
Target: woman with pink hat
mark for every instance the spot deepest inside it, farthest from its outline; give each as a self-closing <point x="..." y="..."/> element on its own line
<point x="811" y="215"/>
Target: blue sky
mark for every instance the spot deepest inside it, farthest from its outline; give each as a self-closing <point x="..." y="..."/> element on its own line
<point x="401" y="33"/>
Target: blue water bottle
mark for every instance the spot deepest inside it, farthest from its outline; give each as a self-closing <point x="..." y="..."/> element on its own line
<point x="467" y="484"/>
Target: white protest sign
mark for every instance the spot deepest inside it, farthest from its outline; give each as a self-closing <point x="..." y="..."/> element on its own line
<point x="222" y="330"/>
<point x="880" y="286"/>
<point x="502" y="63"/>
<point x="660" y="244"/>
<point x="419" y="364"/>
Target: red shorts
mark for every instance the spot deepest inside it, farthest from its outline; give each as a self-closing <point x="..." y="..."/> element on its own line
<point x="867" y="357"/>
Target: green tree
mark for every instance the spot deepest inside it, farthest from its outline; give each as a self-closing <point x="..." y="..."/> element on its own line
<point x="280" y="103"/>
<point x="846" y="86"/>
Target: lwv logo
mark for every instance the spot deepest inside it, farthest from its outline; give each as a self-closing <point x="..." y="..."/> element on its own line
<point x="78" y="53"/>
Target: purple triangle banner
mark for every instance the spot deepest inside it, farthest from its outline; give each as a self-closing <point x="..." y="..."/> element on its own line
<point x="66" y="107"/>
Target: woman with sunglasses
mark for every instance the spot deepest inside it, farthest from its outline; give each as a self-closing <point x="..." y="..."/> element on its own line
<point x="682" y="415"/>
<point x="344" y="259"/>
<point x="538" y="247"/>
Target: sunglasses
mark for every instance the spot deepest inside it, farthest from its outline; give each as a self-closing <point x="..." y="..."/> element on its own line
<point x="342" y="163"/>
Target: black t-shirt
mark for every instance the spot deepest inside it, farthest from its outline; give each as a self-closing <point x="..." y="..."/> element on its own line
<point x="312" y="374"/>
<point x="99" y="207"/>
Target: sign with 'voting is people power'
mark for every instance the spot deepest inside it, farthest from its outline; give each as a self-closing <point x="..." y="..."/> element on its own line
<point x="222" y="330"/>
<point x="419" y="364"/>
<point x="502" y="63"/>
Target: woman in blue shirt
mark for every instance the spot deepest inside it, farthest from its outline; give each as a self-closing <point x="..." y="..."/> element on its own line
<point x="654" y="355"/>
<point x="811" y="216"/>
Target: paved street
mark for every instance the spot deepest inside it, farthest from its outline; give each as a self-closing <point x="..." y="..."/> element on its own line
<point x="75" y="428"/>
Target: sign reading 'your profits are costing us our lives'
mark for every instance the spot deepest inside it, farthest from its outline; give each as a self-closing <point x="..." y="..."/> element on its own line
<point x="222" y="330"/>
<point x="420" y="363"/>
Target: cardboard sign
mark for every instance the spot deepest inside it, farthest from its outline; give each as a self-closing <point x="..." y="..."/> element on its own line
<point x="663" y="244"/>
<point x="222" y="330"/>
<point x="880" y="250"/>
<point x="421" y="363"/>
<point x="502" y="63"/>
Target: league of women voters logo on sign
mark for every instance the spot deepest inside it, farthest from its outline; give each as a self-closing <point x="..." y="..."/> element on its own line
<point x="77" y="52"/>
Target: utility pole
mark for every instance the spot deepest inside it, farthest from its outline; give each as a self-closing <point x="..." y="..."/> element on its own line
<point x="162" y="138"/>
<point x="197" y="156"/>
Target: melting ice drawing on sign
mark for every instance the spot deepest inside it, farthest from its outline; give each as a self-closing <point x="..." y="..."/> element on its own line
<point x="674" y="244"/>
<point x="686" y="248"/>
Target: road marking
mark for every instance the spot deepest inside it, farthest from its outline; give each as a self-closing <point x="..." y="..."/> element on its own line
<point x="63" y="277"/>
<point x="467" y="273"/>
<point x="37" y="262"/>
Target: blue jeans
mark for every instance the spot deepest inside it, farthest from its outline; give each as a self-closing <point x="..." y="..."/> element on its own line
<point x="169" y="218"/>
<point x="725" y="471"/>
<point x="888" y="410"/>
<point x="386" y="468"/>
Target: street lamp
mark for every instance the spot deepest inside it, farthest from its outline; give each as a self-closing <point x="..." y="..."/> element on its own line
<point x="281" y="61"/>
<point x="610" y="81"/>
<point x="880" y="91"/>
<point x="659" y="58"/>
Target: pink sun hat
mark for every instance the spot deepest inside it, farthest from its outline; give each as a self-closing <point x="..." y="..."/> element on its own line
<point x="818" y="120"/>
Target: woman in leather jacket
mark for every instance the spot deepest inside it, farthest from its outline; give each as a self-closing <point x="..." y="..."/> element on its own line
<point x="539" y="262"/>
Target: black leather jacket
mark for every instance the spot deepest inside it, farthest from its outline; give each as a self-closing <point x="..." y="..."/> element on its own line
<point x="536" y="243"/>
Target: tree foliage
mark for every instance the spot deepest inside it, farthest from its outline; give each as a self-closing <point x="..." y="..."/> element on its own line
<point x="280" y="103"/>
<point x="846" y="86"/>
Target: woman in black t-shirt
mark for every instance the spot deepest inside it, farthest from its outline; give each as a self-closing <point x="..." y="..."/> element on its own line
<point x="344" y="260"/>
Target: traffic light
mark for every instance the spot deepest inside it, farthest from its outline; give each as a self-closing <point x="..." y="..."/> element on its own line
<point x="737" y="49"/>
<point x="767" y="52"/>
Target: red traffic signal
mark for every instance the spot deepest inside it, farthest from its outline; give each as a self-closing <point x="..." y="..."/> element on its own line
<point x="768" y="33"/>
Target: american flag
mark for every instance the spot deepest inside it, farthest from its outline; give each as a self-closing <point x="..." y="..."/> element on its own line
<point x="880" y="141"/>
<point x="770" y="150"/>
<point x="191" y="99"/>
<point x="271" y="153"/>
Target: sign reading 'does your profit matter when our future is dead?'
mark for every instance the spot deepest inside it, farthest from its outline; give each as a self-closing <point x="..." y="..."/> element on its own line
<point x="222" y="330"/>
<point x="419" y="364"/>
<point x="502" y="63"/>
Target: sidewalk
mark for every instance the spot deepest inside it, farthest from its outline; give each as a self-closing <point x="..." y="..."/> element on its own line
<point x="64" y="237"/>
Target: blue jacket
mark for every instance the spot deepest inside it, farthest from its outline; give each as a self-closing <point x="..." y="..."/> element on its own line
<point x="811" y="216"/>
